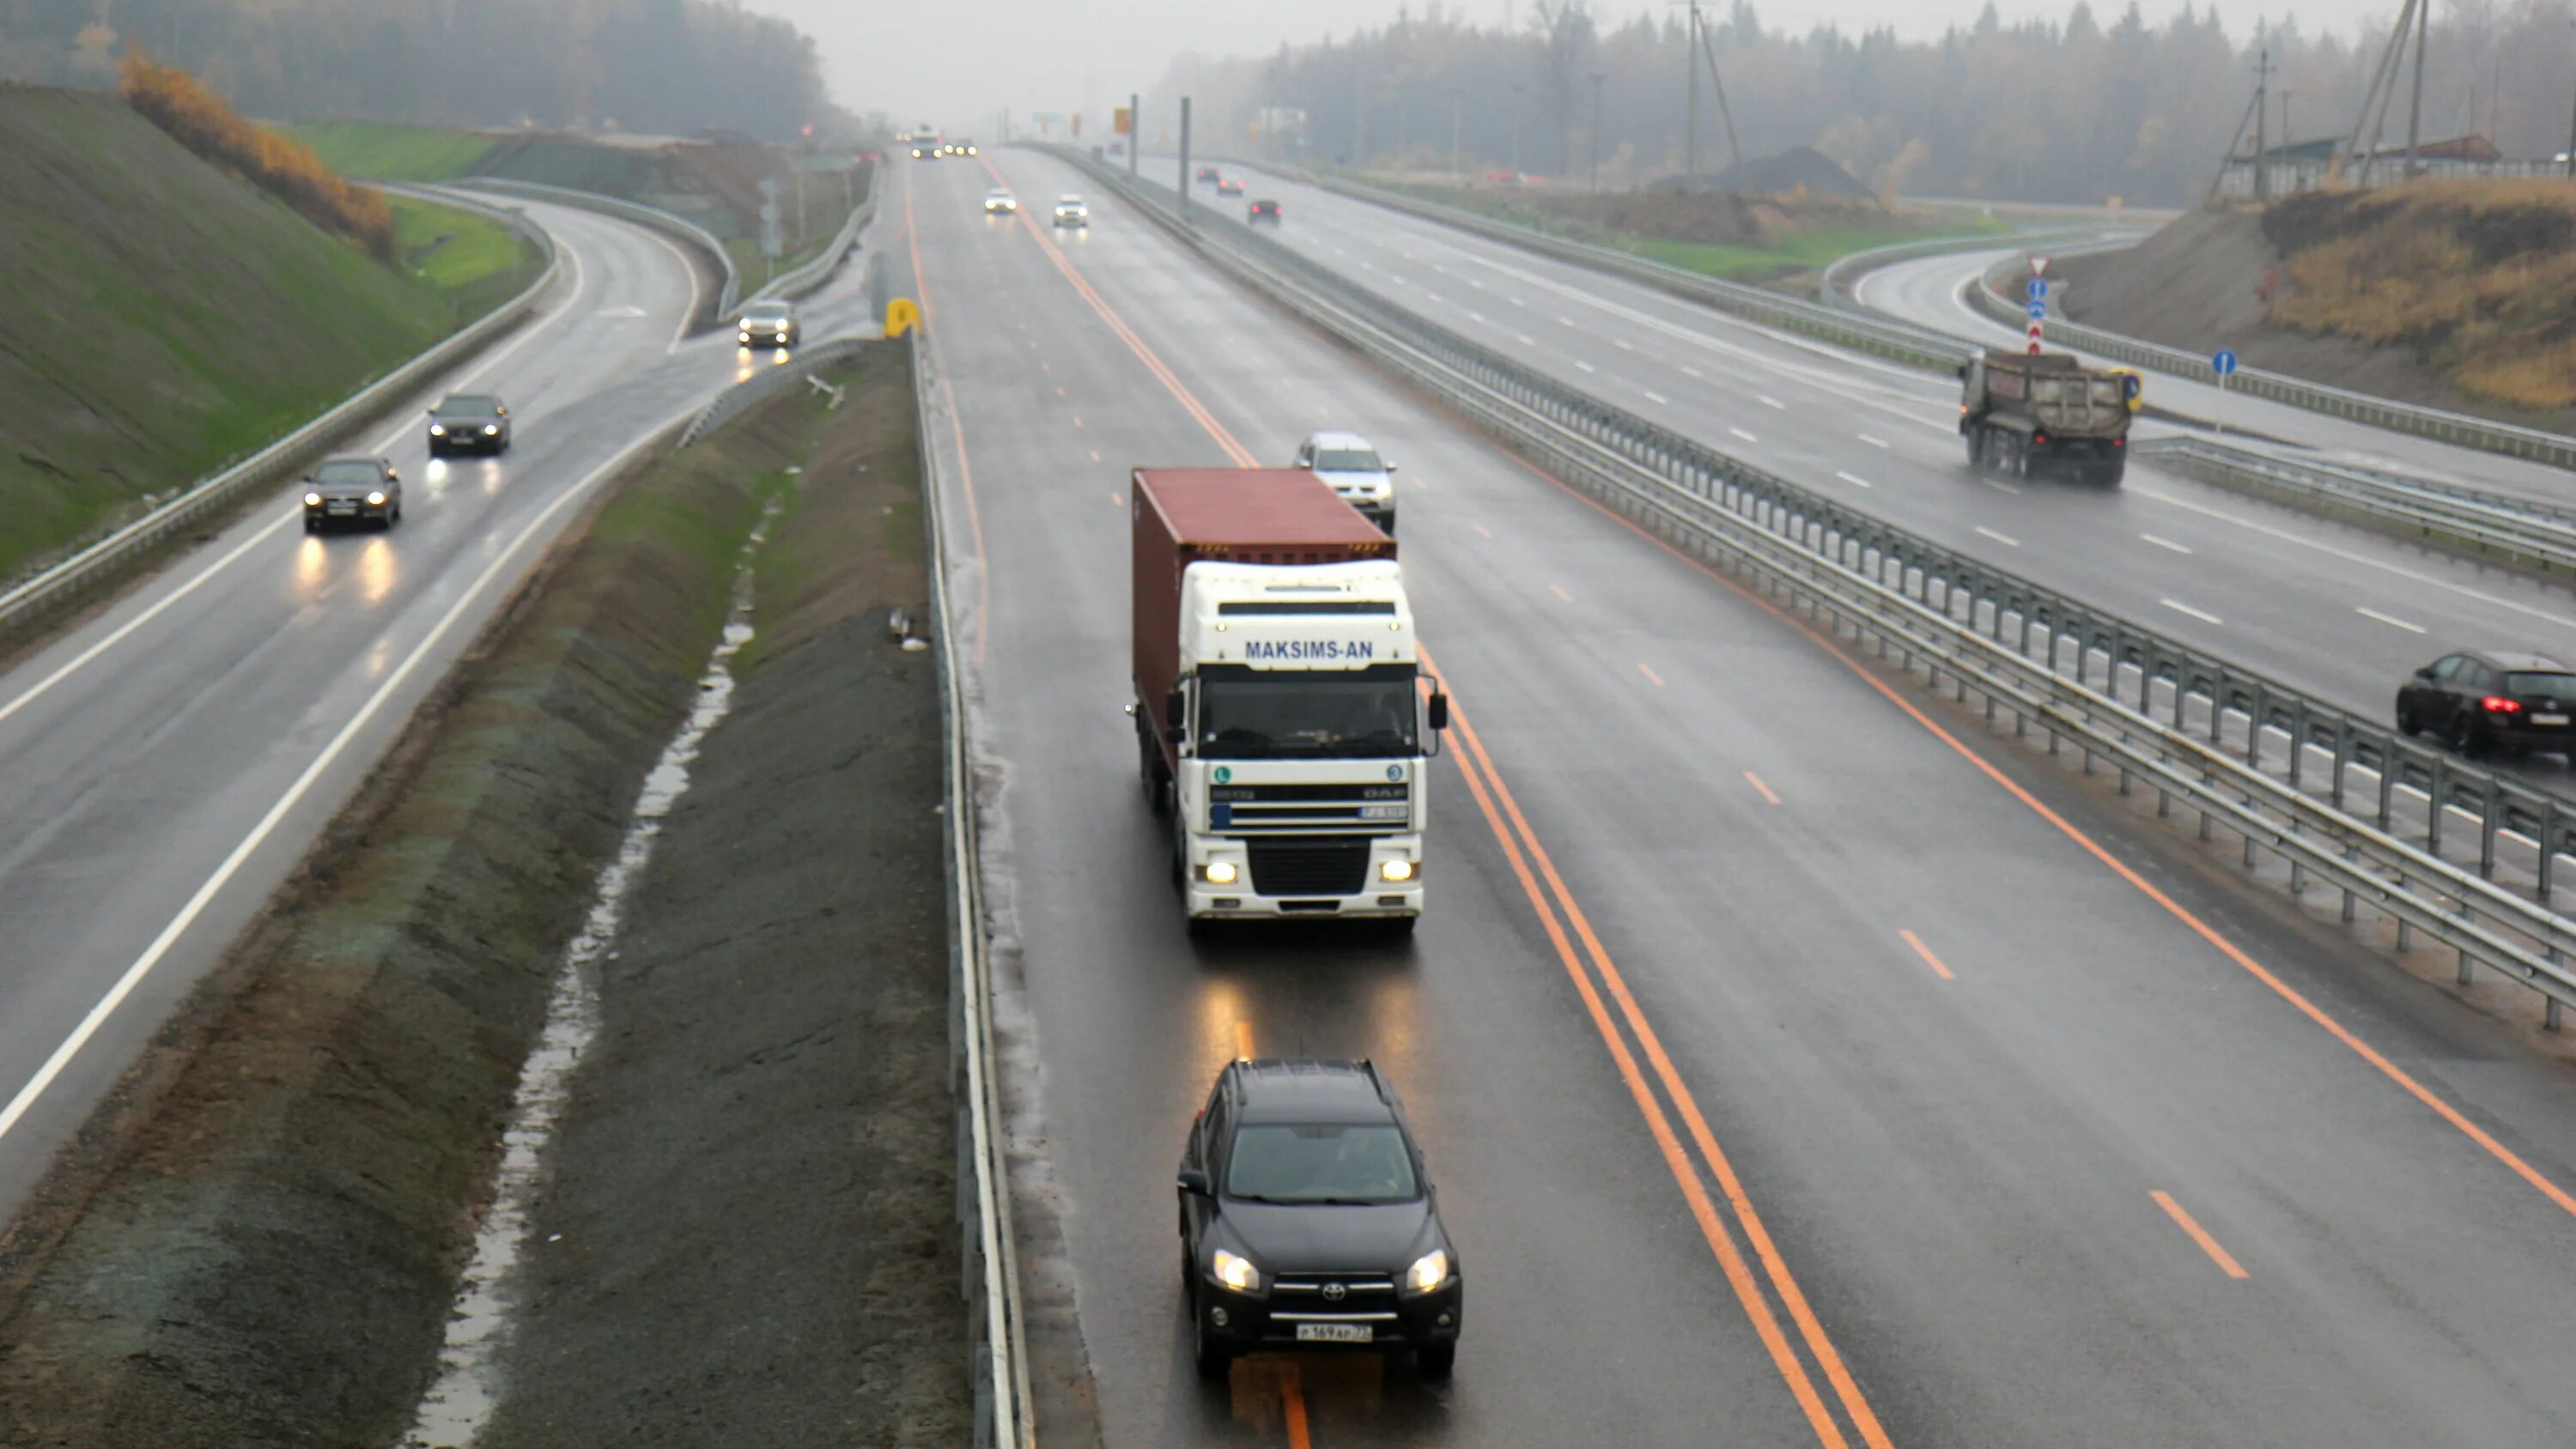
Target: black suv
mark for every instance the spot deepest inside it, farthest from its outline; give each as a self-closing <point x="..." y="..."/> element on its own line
<point x="2479" y="700"/>
<point x="1307" y="1220"/>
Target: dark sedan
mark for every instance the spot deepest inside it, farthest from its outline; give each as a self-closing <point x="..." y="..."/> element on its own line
<point x="354" y="490"/>
<point x="1262" y="213"/>
<point x="2480" y="701"/>
<point x="1308" y="1222"/>
<point x="469" y="422"/>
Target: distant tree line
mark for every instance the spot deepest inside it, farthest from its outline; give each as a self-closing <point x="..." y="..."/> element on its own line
<point x="2083" y="109"/>
<point x="662" y="67"/>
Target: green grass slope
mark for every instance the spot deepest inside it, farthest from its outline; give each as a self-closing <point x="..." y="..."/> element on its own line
<point x="159" y="318"/>
<point x="375" y="151"/>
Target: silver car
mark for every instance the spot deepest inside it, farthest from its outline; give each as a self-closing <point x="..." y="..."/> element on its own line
<point x="1365" y="481"/>
<point x="1070" y="210"/>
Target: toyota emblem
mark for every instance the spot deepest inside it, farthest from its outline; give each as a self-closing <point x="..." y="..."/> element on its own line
<point x="1335" y="1292"/>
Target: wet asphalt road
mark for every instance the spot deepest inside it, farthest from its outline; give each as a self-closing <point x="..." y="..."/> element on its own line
<point x="165" y="765"/>
<point x="1791" y="1074"/>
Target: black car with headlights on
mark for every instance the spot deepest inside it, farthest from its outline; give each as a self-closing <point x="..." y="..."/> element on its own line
<point x="469" y="422"/>
<point x="767" y="324"/>
<point x="354" y="490"/>
<point x="2482" y="700"/>
<point x="1308" y="1221"/>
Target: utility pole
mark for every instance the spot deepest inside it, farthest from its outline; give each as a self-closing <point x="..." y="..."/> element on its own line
<point x="1135" y="130"/>
<point x="1597" y="78"/>
<point x="1457" y="98"/>
<point x="2288" y="136"/>
<point x="2415" y="107"/>
<point x="1516" y="131"/>
<point x="1184" y="183"/>
<point x="2262" y="118"/>
<point x="1690" y="133"/>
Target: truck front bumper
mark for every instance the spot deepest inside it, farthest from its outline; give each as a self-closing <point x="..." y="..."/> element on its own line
<point x="1260" y="887"/>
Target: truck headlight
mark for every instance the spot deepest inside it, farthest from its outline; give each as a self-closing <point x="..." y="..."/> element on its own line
<point x="1428" y="1271"/>
<point x="1395" y="870"/>
<point x="1239" y="1274"/>
<point x="312" y="500"/>
<point x="1219" y="872"/>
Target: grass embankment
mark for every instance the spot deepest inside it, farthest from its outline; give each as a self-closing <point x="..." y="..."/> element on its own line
<point x="159" y="317"/>
<point x="258" y="1243"/>
<point x="2477" y="278"/>
<point x="380" y="152"/>
<point x="1736" y="237"/>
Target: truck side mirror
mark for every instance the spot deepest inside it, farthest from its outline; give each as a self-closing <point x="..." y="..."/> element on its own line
<point x="1439" y="710"/>
<point x="1176" y="707"/>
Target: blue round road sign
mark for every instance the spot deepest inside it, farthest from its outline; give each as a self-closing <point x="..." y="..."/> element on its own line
<point x="2038" y="311"/>
<point x="2224" y="363"/>
<point x="2038" y="290"/>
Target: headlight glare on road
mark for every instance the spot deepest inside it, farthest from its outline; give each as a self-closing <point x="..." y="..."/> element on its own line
<point x="1219" y="872"/>
<point x="376" y="499"/>
<point x="312" y="500"/>
<point x="1428" y="1271"/>
<point x="1395" y="870"/>
<point x="1239" y="1274"/>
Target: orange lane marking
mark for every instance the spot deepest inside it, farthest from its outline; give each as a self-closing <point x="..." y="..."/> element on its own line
<point x="2199" y="1234"/>
<point x="1482" y="530"/>
<point x="1292" y="1403"/>
<point x="1560" y="593"/>
<point x="1046" y="367"/>
<point x="1764" y="790"/>
<point x="1929" y="959"/>
<point x="1243" y="1041"/>
<point x="1643" y="669"/>
<point x="1739" y="1274"/>
<point x="2513" y="1161"/>
<point x="1792" y="1297"/>
<point x="1095" y="455"/>
<point x="1059" y="392"/>
<point x="957" y="431"/>
<point x="1077" y="420"/>
<point x="1117" y="500"/>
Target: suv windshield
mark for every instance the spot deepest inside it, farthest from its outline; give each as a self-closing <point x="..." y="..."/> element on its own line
<point x="363" y="473"/>
<point x="471" y="407"/>
<point x="1332" y="1163"/>
<point x="2548" y="686"/>
<point x="1247" y="714"/>
<point x="1348" y="460"/>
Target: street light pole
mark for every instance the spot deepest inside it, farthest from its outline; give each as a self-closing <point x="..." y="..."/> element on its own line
<point x="1456" y="100"/>
<point x="1597" y="78"/>
<point x="2571" y="129"/>
<point x="1516" y="132"/>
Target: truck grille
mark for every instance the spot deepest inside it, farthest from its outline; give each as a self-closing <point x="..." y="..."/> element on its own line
<point x="1309" y="809"/>
<point x="1330" y="865"/>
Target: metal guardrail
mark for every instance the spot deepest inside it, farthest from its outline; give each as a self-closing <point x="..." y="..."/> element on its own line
<point x="797" y="281"/>
<point x="990" y="1283"/>
<point x="2495" y="524"/>
<point x="637" y="212"/>
<point x="2436" y="423"/>
<point x="768" y="383"/>
<point x="1834" y="284"/>
<point x="2027" y="650"/>
<point x="109" y="561"/>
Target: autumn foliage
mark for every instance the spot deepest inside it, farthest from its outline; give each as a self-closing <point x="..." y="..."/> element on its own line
<point x="198" y="119"/>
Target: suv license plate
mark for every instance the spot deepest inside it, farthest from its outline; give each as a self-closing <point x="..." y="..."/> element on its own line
<point x="1335" y="1333"/>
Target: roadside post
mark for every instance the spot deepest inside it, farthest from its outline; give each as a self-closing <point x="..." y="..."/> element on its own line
<point x="2223" y="363"/>
<point x="2038" y="293"/>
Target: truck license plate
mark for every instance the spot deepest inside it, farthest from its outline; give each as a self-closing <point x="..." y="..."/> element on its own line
<point x="1335" y="1333"/>
<point x="2549" y="719"/>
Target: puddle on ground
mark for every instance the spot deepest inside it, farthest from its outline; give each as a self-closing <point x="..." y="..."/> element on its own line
<point x="468" y="1388"/>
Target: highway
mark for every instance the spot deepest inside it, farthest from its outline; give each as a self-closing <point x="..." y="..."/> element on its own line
<point x="1927" y="292"/>
<point x="164" y="765"/>
<point x="1796" y="1064"/>
<point x="2339" y="610"/>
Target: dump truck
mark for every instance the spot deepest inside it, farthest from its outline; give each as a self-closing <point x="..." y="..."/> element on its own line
<point x="1281" y="725"/>
<point x="2044" y="413"/>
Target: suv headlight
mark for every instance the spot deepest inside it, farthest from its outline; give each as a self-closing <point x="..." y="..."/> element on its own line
<point x="1428" y="1271"/>
<point x="438" y="430"/>
<point x="491" y="430"/>
<point x="1238" y="1273"/>
<point x="312" y="500"/>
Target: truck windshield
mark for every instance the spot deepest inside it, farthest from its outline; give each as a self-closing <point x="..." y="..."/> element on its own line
<point x="1247" y="714"/>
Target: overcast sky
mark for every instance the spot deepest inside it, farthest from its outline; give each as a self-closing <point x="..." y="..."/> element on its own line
<point x="955" y="63"/>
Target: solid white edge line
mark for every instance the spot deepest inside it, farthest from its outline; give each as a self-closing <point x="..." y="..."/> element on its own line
<point x="73" y="665"/>
<point x="63" y="1055"/>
